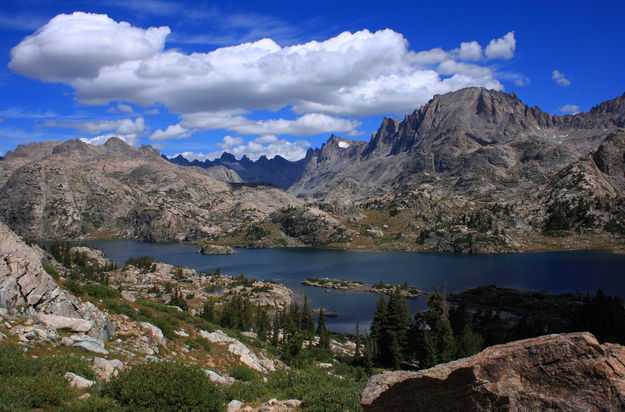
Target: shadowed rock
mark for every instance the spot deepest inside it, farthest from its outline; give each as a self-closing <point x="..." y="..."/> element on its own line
<point x="564" y="372"/>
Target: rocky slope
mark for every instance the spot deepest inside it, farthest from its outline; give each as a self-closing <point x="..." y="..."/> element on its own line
<point x="568" y="372"/>
<point x="472" y="141"/>
<point x="75" y="190"/>
<point x="26" y="289"/>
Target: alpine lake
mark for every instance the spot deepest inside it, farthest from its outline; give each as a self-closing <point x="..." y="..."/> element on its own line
<point x="555" y="272"/>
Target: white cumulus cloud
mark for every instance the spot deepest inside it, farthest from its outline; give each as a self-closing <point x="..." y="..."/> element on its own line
<point x="79" y="45"/>
<point x="502" y="48"/>
<point x="174" y="131"/>
<point x="352" y="74"/>
<point x="560" y="78"/>
<point x="569" y="109"/>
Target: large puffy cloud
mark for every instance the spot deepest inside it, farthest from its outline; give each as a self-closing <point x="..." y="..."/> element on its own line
<point x="267" y="145"/>
<point x="79" y="45"/>
<point x="354" y="74"/>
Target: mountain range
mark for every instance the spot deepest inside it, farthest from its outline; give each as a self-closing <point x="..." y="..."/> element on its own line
<point x="474" y="170"/>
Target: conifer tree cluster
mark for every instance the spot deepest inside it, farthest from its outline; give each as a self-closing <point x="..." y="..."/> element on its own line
<point x="423" y="340"/>
<point x="287" y="329"/>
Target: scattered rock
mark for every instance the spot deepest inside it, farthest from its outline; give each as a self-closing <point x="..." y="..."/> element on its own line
<point x="155" y="332"/>
<point x="2" y="336"/>
<point x="107" y="368"/>
<point x="85" y="342"/>
<point x="246" y="356"/>
<point x="234" y="406"/>
<point x="219" y="379"/>
<point x="564" y="372"/>
<point x="77" y="381"/>
<point x="84" y="396"/>
<point x="181" y="333"/>
<point x="64" y="322"/>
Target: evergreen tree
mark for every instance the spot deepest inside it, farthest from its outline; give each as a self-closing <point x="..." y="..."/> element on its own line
<point x="398" y="321"/>
<point x="262" y="323"/>
<point x="357" y="353"/>
<point x="322" y="331"/>
<point x="208" y="312"/>
<point x="469" y="343"/>
<point x="437" y="318"/>
<point x="308" y="324"/>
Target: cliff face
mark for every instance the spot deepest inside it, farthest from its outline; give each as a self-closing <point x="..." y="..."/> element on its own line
<point x="26" y="288"/>
<point x="566" y="372"/>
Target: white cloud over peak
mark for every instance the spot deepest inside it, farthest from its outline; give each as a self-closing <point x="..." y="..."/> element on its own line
<point x="560" y="78"/>
<point x="569" y="109"/>
<point x="351" y="74"/>
<point x="128" y="130"/>
<point x="502" y="48"/>
<point x="79" y="45"/>
<point x="269" y="146"/>
<point x="100" y="140"/>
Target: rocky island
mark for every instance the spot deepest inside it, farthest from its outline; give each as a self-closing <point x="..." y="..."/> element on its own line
<point x="356" y="286"/>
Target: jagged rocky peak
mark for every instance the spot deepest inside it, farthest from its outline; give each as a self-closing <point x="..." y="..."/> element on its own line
<point x="616" y="105"/>
<point x="339" y="147"/>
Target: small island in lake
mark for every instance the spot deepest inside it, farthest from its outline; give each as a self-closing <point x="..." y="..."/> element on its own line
<point x="357" y="286"/>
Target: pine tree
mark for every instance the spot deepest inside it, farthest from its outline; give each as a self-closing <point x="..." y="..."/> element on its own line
<point x="357" y="353"/>
<point x="208" y="312"/>
<point x="308" y="324"/>
<point x="322" y="331"/>
<point x="398" y="321"/>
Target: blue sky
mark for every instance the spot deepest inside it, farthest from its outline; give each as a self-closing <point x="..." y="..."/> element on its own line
<point x="272" y="77"/>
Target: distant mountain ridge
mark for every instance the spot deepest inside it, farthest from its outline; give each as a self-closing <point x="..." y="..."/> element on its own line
<point x="469" y="141"/>
<point x="277" y="171"/>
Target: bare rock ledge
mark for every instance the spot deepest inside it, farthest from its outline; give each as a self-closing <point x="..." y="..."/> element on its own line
<point x="563" y="372"/>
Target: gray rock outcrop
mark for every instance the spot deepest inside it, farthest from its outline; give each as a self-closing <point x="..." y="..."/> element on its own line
<point x="26" y="288"/>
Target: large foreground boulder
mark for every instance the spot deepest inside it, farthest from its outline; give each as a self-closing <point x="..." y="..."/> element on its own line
<point x="563" y="372"/>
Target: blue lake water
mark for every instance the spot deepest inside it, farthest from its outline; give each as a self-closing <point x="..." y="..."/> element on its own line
<point x="576" y="271"/>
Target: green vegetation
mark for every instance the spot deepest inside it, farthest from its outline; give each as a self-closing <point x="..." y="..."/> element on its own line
<point x="164" y="386"/>
<point x="27" y="383"/>
<point x="422" y="341"/>
<point x="144" y="263"/>
<point x="318" y="391"/>
<point x="80" y="266"/>
<point x="91" y="289"/>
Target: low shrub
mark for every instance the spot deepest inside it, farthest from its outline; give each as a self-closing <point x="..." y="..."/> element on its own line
<point x="243" y="373"/>
<point x="164" y="386"/>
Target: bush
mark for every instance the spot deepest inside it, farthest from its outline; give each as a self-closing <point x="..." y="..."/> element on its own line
<point x="164" y="386"/>
<point x="50" y="270"/>
<point x="94" y="404"/>
<point x="27" y="383"/>
<point x="243" y="373"/>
